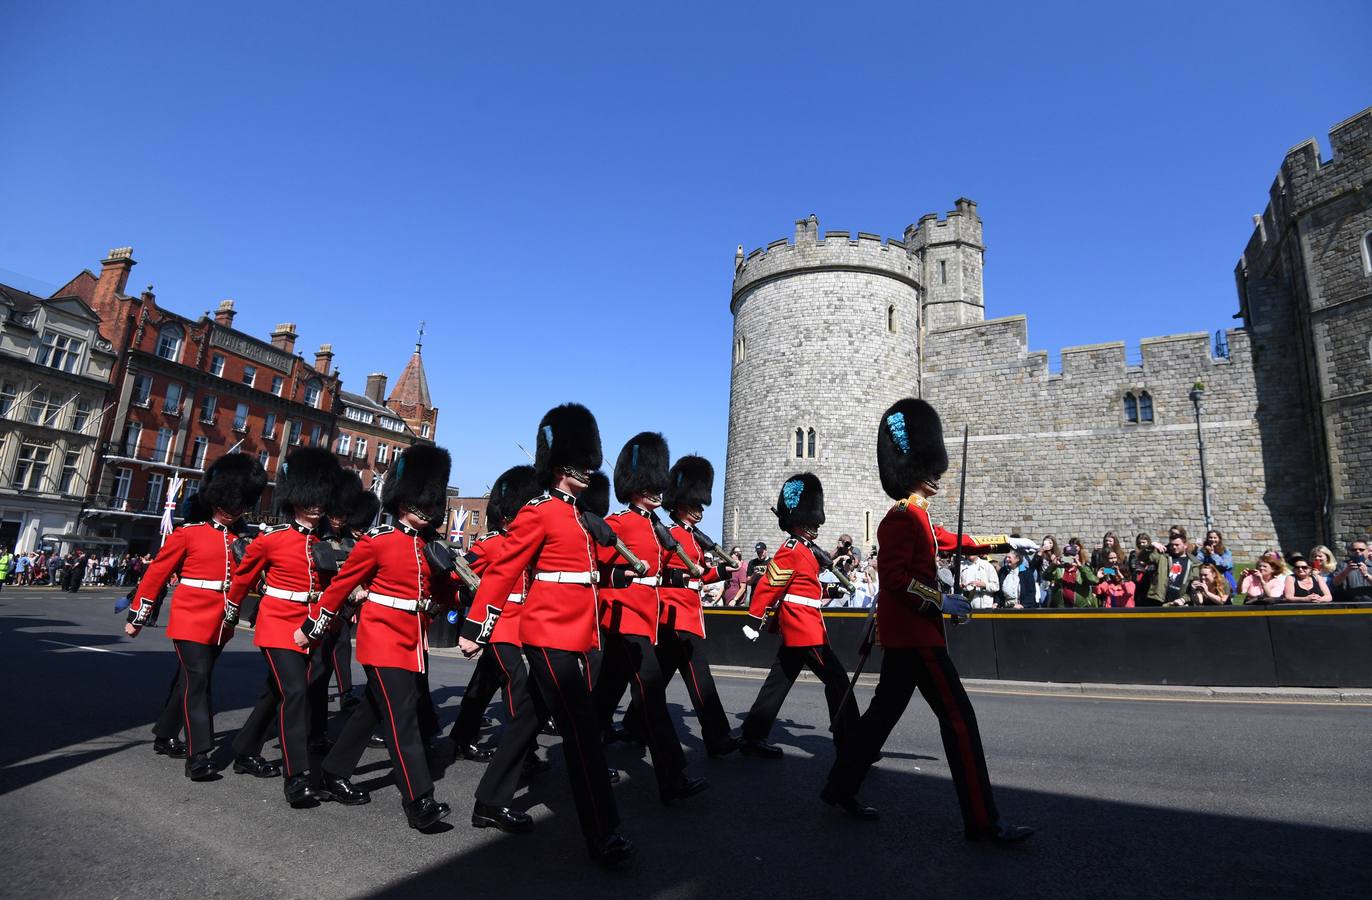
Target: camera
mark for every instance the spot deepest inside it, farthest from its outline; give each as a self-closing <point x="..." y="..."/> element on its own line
<point x="1108" y="572"/>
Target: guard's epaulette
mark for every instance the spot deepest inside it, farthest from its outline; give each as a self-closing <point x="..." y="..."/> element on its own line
<point x="790" y="544"/>
<point x="542" y="498"/>
<point x="273" y="529"/>
<point x="380" y="530"/>
<point x="489" y="534"/>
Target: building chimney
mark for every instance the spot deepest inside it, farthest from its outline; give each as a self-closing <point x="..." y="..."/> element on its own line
<point x="376" y="387"/>
<point x="114" y="275"/>
<point x="323" y="359"/>
<point x="283" y="338"/>
<point x="225" y="313"/>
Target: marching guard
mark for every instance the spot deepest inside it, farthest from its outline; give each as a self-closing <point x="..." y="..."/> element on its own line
<point x="285" y="555"/>
<point x="403" y="567"/>
<point x="559" y="621"/>
<point x="791" y="591"/>
<point x="911" y="458"/>
<point x="202" y="618"/>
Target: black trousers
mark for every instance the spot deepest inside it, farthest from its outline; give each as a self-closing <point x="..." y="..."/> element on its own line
<point x="681" y="651"/>
<point x="632" y="658"/>
<point x="932" y="671"/>
<point x="520" y="736"/>
<point x="790" y="660"/>
<point x="189" y="704"/>
<point x="427" y="713"/>
<point x="392" y="701"/>
<point x="285" y="703"/>
<point x="564" y="677"/>
<point x="331" y="658"/>
<point x="489" y="676"/>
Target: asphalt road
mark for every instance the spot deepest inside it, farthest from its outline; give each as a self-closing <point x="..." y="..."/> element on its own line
<point x="1132" y="798"/>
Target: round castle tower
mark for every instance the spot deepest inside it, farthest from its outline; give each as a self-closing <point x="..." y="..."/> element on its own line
<point x="827" y="334"/>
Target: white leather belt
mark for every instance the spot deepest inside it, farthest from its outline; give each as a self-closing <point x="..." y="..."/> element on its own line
<point x="400" y="603"/>
<point x="804" y="601"/>
<point x="515" y="598"/>
<point x="650" y="581"/>
<point x="293" y="596"/>
<point x="693" y="585"/>
<point x="203" y="585"/>
<point x="568" y="577"/>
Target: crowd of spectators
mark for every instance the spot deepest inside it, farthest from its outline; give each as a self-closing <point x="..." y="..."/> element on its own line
<point x="70" y="571"/>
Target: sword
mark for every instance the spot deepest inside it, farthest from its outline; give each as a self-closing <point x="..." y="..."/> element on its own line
<point x="962" y="499"/>
<point x="869" y="633"/>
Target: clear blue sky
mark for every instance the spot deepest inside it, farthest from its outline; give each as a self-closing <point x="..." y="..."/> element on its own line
<point x="357" y="167"/>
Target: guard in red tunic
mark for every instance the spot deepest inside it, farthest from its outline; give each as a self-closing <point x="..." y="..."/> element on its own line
<point x="632" y="609"/>
<point x="408" y="574"/>
<point x="911" y="458"/>
<point x="352" y="510"/>
<point x="681" y="632"/>
<point x="202" y="618"/>
<point x="559" y="622"/>
<point x="791" y="590"/>
<point x="285" y="555"/>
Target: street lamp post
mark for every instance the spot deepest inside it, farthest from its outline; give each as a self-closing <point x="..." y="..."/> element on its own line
<point x="1197" y="392"/>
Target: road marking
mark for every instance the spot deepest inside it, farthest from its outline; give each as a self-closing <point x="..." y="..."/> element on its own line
<point x="84" y="647"/>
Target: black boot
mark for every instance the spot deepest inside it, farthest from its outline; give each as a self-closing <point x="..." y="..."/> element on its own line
<point x="199" y="767"/>
<point x="423" y="812"/>
<point x="507" y="820"/>
<point x="341" y="790"/>
<point x="171" y="746"/>
<point x="256" y="766"/>
<point x="722" y="748"/>
<point x="549" y="728"/>
<point x="849" y="804"/>
<point x="762" y="750"/>
<point x="1001" y="833"/>
<point x="535" y="764"/>
<point x="348" y="700"/>
<point x="682" y="788"/>
<point x="610" y="850"/>
<point x="473" y="753"/>
<point x="299" y="794"/>
<point x="376" y="740"/>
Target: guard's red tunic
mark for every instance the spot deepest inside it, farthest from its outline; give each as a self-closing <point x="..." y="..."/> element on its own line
<point x="485" y="550"/>
<point x="286" y="555"/>
<point x="792" y="583"/>
<point x="634" y="608"/>
<point x="681" y="606"/>
<point x="202" y="554"/>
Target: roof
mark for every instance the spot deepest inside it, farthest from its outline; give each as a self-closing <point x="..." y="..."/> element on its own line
<point x="364" y="401"/>
<point x="412" y="388"/>
<point x="21" y="300"/>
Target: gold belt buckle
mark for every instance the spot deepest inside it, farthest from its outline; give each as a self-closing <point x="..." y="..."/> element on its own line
<point x="312" y="596"/>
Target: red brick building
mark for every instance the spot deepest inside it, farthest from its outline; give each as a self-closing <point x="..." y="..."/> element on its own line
<point x="374" y="429"/>
<point x="466" y="518"/>
<point x="186" y="391"/>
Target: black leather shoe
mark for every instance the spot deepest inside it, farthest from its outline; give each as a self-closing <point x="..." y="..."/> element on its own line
<point x="171" y="746"/>
<point x="487" y="722"/>
<point x="535" y="764"/>
<point x="761" y="749"/>
<point x="424" y="812"/>
<point x="507" y="820"/>
<point x="1002" y="834"/>
<point x="851" y="805"/>
<point x="199" y="767"/>
<point x="473" y="753"/>
<point x="614" y="776"/>
<point x="376" y="741"/>
<point x="683" y="788"/>
<point x="549" y="728"/>
<point x="348" y="700"/>
<point x="256" y="766"/>
<point x="723" y="748"/>
<point x="319" y="745"/>
<point x="299" y="793"/>
<point x="610" y="850"/>
<point x="341" y="790"/>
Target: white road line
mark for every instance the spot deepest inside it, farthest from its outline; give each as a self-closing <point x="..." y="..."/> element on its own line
<point x="84" y="647"/>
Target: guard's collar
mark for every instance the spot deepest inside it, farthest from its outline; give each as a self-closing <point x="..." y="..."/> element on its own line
<point x="916" y="500"/>
<point x="304" y="529"/>
<point x="635" y="508"/>
<point x="562" y="495"/>
<point x="406" y="529"/>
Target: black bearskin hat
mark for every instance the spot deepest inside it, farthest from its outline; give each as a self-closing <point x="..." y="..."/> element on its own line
<point x="308" y="477"/>
<point x="596" y="497"/>
<point x="515" y="487"/>
<point x="689" y="483"/>
<point x="353" y="503"/>
<point x="567" y="436"/>
<point x="801" y="503"/>
<point x="234" y="481"/>
<point x="909" y="447"/>
<point x="419" y="479"/>
<point x="642" y="466"/>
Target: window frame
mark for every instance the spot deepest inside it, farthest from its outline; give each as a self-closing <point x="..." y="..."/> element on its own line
<point x="249" y="375"/>
<point x="31" y="467"/>
<point x="180" y="398"/>
<point x="145" y="400"/>
<point x="217" y="365"/>
<point x="317" y="387"/>
<point x="71" y="351"/>
<point x="71" y="470"/>
<point x="170" y="328"/>
<point x="241" y="414"/>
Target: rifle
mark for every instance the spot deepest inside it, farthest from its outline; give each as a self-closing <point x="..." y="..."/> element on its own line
<point x="957" y="552"/>
<point x="664" y="537"/>
<point x="869" y="635"/>
<point x="601" y="532"/>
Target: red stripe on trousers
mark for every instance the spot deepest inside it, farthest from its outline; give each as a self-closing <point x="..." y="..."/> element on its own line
<point x="509" y="701"/>
<point x="280" y="711"/>
<point x="395" y="735"/>
<point x="590" y="788"/>
<point x="969" y="762"/>
<point x="185" y="700"/>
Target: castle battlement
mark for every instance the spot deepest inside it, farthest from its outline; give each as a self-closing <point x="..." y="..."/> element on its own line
<point x="959" y="225"/>
<point x="835" y="251"/>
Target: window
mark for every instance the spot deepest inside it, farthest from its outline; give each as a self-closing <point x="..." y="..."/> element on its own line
<point x="42" y="408"/>
<point x="943" y="271"/>
<point x="32" y="468"/>
<point x="71" y="464"/>
<point x="9" y="393"/>
<point x="800" y="443"/>
<point x="740" y="349"/>
<point x="208" y="404"/>
<point x="425" y="430"/>
<point x="345" y="442"/>
<point x="312" y="392"/>
<point x="240" y="417"/>
<point x="476" y="518"/>
<point x="316" y="436"/>
<point x="172" y="404"/>
<point x="1145" y="407"/>
<point x="142" y="390"/>
<point x="1131" y="408"/>
<point x="133" y="434"/>
<point x="217" y="366"/>
<point x="294" y="431"/>
<point x="60" y="351"/>
<point x="163" y="445"/>
<point x="277" y="384"/>
<point x="154" y="498"/>
<point x="804" y="443"/>
<point x="199" y="449"/>
<point x="361" y="451"/>
<point x="123" y="482"/>
<point x="169" y="339"/>
<point x="262" y="459"/>
<point x="1367" y="253"/>
<point x="891" y="318"/>
<point x="249" y="375"/>
<point x="382" y="452"/>
<point x="82" y="416"/>
<point x="810" y="444"/>
<point x="358" y="415"/>
<point x="269" y="426"/>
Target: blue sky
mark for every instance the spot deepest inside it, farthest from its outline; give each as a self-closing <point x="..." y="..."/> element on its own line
<point x="355" y="168"/>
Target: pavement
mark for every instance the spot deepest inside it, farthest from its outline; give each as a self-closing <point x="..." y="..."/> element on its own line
<point x="1133" y="796"/>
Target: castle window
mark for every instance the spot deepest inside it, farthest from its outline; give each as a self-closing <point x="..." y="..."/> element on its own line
<point x="1367" y="253"/>
<point x="1145" y="407"/>
<point x="805" y="443"/>
<point x="891" y="321"/>
<point x="740" y="348"/>
<point x="943" y="271"/>
<point x="810" y="444"/>
<point x="800" y="443"/>
<point x="1131" y="408"/>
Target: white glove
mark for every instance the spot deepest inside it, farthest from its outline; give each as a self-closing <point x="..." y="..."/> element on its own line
<point x="1020" y="543"/>
<point x="751" y="633"/>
